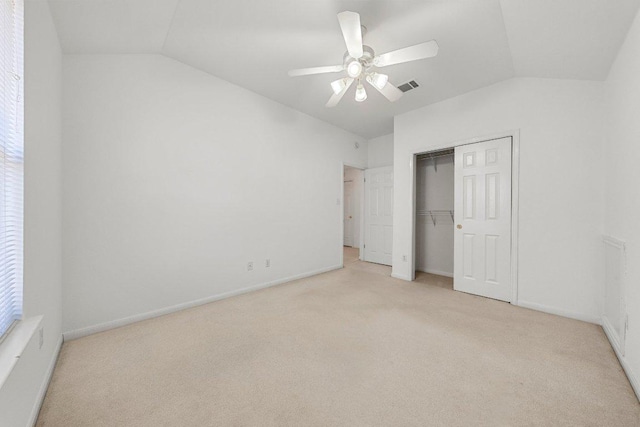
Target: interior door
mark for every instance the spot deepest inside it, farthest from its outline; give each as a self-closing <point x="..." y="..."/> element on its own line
<point x="482" y="243"/>
<point x="614" y="316"/>
<point x="378" y="237"/>
<point x="348" y="214"/>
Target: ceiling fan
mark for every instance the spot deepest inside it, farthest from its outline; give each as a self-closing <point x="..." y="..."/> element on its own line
<point x="360" y="62"/>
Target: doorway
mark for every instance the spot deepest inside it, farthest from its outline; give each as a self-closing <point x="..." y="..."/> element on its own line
<point x="352" y="218"/>
<point x="465" y="228"/>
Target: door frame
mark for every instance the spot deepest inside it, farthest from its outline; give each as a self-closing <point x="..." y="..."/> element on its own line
<point x="515" y="190"/>
<point x="346" y="221"/>
<point x="341" y="210"/>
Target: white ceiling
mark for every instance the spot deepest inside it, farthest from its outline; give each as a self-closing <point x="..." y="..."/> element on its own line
<point x="253" y="43"/>
<point x="566" y="39"/>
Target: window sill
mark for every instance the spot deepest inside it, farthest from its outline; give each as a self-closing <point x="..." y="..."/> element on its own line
<point x="14" y="344"/>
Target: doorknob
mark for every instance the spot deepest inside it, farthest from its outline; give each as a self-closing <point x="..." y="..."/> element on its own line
<point x="350" y="217"/>
<point x="459" y="226"/>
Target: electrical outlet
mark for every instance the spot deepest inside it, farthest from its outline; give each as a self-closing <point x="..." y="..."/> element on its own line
<point x="404" y="258"/>
<point x="250" y="266"/>
<point x="40" y="337"/>
<point x="267" y="263"/>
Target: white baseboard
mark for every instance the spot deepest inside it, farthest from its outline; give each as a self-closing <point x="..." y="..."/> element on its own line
<point x="559" y="312"/>
<point x="401" y="277"/>
<point x="437" y="272"/>
<point x="45" y="384"/>
<point x="633" y="380"/>
<point x="613" y="337"/>
<point x="101" y="327"/>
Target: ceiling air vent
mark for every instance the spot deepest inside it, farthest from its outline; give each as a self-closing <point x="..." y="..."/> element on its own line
<point x="408" y="86"/>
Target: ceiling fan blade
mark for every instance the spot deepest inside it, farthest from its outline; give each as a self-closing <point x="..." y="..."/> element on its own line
<point x="316" y="70"/>
<point x="335" y="98"/>
<point x="389" y="91"/>
<point x="411" y="53"/>
<point x="352" y="32"/>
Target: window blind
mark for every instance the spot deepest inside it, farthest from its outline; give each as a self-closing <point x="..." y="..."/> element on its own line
<point x="11" y="162"/>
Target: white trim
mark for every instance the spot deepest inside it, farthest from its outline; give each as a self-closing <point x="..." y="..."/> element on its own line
<point x="515" y="197"/>
<point x="560" y="312"/>
<point x="13" y="345"/>
<point x="614" y="241"/>
<point x="612" y="336"/>
<point x="341" y="216"/>
<point x="101" y="327"/>
<point x="633" y="380"/>
<point x="413" y="169"/>
<point x="45" y="384"/>
<point x="515" y="212"/>
<point x="362" y="212"/>
<point x="437" y="272"/>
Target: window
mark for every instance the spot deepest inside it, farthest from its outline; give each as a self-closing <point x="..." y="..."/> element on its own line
<point x="11" y="162"/>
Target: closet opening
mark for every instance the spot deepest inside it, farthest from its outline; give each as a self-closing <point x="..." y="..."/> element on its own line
<point x="434" y="226"/>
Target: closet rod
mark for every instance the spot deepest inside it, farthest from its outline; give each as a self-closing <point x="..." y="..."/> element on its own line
<point x="434" y="155"/>
<point x="434" y="213"/>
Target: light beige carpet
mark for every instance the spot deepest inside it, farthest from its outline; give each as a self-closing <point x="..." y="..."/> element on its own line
<point x="348" y="348"/>
<point x="350" y="255"/>
<point x="434" y="280"/>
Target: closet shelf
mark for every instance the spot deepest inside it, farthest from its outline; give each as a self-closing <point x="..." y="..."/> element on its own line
<point x="435" y="155"/>
<point x="435" y="214"/>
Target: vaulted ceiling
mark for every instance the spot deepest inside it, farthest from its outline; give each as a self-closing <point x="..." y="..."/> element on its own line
<point x="253" y="43"/>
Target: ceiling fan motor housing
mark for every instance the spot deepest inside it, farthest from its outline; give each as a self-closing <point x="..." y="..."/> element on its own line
<point x="366" y="60"/>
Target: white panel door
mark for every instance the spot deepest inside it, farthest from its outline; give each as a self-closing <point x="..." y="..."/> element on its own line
<point x="378" y="237"/>
<point x="614" y="317"/>
<point x="348" y="214"/>
<point x="482" y="243"/>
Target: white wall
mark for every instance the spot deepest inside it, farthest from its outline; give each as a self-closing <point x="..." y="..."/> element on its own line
<point x="20" y="396"/>
<point x="561" y="182"/>
<point x="174" y="179"/>
<point x="622" y="154"/>
<point x="435" y="191"/>
<point x="380" y="151"/>
<point x="357" y="177"/>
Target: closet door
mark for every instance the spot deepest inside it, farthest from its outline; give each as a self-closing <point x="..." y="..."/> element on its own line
<point x="378" y="238"/>
<point x="482" y="243"/>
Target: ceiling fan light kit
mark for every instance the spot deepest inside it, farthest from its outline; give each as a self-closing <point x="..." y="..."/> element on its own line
<point x="378" y="80"/>
<point x="354" y="69"/>
<point x="361" y="94"/>
<point x="360" y="62"/>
